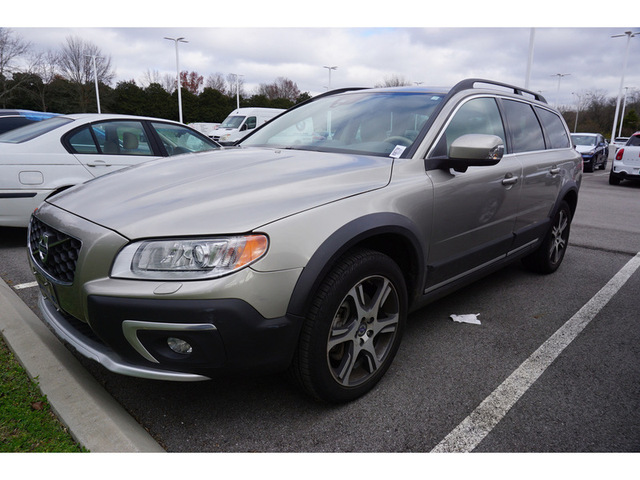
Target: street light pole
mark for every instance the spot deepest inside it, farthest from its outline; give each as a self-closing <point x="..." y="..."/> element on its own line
<point x="629" y="34"/>
<point x="330" y="68"/>
<point x="624" y="105"/>
<point x="532" y="37"/>
<point x="559" y="75"/>
<point x="177" y="40"/>
<point x="237" y="89"/>
<point x="575" y="127"/>
<point x="95" y="78"/>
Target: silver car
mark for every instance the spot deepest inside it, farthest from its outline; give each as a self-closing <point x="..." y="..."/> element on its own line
<point x="305" y="247"/>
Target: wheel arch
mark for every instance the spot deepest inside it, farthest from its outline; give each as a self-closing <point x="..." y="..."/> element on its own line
<point x="570" y="196"/>
<point x="388" y="233"/>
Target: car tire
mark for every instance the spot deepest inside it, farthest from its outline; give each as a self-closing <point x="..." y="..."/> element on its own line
<point x="353" y="328"/>
<point x="548" y="257"/>
<point x="613" y="179"/>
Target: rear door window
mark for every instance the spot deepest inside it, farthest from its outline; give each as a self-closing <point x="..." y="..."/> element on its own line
<point x="554" y="128"/>
<point x="525" y="130"/>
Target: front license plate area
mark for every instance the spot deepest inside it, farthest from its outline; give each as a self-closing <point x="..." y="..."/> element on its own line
<point x="47" y="289"/>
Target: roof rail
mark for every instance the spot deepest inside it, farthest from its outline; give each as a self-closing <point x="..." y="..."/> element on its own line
<point x="470" y="83"/>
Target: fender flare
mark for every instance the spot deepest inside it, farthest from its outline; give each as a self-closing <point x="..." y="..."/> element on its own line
<point x="356" y="232"/>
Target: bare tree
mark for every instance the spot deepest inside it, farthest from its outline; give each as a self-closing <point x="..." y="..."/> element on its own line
<point x="166" y="81"/>
<point x="232" y="86"/>
<point x="12" y="47"/>
<point x="76" y="62"/>
<point x="44" y="67"/>
<point x="394" y="81"/>
<point x="217" y="82"/>
<point x="281" y="88"/>
<point x="76" y="65"/>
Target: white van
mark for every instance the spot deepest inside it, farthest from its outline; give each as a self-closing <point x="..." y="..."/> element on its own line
<point x="243" y="121"/>
<point x="207" y="129"/>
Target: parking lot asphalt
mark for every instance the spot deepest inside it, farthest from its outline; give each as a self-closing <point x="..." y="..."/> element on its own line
<point x="95" y="420"/>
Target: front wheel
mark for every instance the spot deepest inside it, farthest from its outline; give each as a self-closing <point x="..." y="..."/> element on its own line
<point x="548" y="257"/>
<point x="353" y="329"/>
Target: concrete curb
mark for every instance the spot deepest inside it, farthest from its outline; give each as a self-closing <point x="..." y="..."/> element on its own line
<point x="95" y="420"/>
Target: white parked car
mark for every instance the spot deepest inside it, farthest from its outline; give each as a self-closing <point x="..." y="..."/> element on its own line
<point x="626" y="163"/>
<point x="47" y="157"/>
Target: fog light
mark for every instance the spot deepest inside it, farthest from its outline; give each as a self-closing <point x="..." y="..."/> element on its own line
<point x="179" y="346"/>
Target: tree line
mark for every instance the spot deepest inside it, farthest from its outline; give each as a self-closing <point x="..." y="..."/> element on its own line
<point x="594" y="113"/>
<point x="62" y="81"/>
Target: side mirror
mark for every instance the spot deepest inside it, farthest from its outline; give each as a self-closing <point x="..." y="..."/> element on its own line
<point x="474" y="150"/>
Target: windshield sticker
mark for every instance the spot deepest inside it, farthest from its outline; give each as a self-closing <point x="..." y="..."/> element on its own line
<point x="397" y="151"/>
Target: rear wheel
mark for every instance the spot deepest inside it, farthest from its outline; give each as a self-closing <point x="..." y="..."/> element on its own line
<point x="550" y="254"/>
<point x="613" y="179"/>
<point x="353" y="329"/>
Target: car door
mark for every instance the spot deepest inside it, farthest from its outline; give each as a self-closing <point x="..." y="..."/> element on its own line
<point x="474" y="211"/>
<point x="541" y="166"/>
<point x="104" y="147"/>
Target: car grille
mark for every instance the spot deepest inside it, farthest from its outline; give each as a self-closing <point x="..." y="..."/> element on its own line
<point x="54" y="251"/>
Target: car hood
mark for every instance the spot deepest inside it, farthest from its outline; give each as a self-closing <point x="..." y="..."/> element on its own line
<point x="221" y="192"/>
<point x="585" y="148"/>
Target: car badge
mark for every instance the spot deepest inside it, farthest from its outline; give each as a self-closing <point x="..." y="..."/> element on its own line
<point x="43" y="247"/>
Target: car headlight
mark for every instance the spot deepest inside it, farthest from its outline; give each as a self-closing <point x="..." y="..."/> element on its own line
<point x="188" y="259"/>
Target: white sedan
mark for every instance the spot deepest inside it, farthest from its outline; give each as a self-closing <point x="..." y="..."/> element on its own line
<point x="47" y="157"/>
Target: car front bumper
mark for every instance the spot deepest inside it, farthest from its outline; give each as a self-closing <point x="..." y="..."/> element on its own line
<point x="129" y="337"/>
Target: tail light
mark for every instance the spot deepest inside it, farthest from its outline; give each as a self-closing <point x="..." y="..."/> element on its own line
<point x="619" y="154"/>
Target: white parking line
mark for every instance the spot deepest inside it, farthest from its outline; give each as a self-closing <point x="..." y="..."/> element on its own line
<point x="25" y="285"/>
<point x="473" y="429"/>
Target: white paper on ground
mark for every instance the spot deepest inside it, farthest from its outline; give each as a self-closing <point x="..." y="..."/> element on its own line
<point x="466" y="318"/>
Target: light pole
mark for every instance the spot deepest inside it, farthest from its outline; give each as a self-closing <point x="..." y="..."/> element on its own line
<point x="559" y="75"/>
<point x="237" y="89"/>
<point x="624" y="105"/>
<point x="629" y="34"/>
<point x="177" y="40"/>
<point x="95" y="78"/>
<point x="575" y="127"/>
<point x="532" y="38"/>
<point x="330" y="68"/>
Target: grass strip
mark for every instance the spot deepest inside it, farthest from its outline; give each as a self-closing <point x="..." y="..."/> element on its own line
<point x="27" y="423"/>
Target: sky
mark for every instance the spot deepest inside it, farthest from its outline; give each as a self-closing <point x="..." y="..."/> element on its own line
<point x="431" y="45"/>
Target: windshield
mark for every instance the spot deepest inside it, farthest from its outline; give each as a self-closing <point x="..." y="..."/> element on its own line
<point x="29" y="132"/>
<point x="232" y="122"/>
<point x="370" y="122"/>
<point x="583" y="140"/>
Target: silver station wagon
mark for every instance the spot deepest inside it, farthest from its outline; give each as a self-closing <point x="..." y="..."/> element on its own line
<point x="305" y="246"/>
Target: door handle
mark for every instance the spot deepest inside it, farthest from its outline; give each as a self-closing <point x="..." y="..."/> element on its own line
<point x="509" y="180"/>
<point x="554" y="171"/>
<point x="98" y="163"/>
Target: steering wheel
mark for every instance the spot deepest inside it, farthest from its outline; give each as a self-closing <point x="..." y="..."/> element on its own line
<point x="398" y="140"/>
